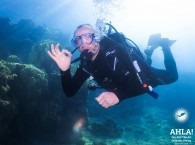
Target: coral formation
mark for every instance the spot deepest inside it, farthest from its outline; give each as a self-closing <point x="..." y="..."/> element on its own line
<point x="39" y="57"/>
<point x="33" y="107"/>
<point x="25" y="96"/>
<point x="106" y="129"/>
<point x="19" y="38"/>
<point x="14" y="59"/>
<point x="5" y="76"/>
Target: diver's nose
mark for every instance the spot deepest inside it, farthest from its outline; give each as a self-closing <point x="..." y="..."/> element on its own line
<point x="83" y="47"/>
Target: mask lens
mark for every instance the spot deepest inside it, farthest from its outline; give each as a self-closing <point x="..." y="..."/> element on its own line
<point x="76" y="42"/>
<point x="84" y="38"/>
<point x="87" y="38"/>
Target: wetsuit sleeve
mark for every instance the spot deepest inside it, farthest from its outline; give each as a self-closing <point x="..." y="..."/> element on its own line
<point x="121" y="94"/>
<point x="71" y="84"/>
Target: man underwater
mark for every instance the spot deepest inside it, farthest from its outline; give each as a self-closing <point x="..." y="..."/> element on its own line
<point x="105" y="60"/>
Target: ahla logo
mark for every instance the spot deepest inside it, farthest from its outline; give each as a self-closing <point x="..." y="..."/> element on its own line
<point x="181" y="115"/>
<point x="181" y="132"/>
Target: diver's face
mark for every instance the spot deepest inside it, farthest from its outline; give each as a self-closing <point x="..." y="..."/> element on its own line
<point x="85" y="40"/>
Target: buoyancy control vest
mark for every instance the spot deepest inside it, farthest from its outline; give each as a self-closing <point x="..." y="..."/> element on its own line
<point x="142" y="70"/>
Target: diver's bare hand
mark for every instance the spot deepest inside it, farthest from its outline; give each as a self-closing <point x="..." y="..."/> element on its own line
<point x="62" y="58"/>
<point x="107" y="99"/>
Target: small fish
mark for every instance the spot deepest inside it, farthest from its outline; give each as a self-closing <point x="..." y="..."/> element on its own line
<point x="182" y="114"/>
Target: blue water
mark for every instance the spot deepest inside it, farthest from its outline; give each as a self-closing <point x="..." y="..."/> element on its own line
<point x="42" y="118"/>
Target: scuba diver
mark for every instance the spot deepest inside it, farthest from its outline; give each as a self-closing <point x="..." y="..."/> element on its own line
<point x="116" y="65"/>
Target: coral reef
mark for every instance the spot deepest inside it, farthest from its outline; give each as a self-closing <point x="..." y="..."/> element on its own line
<point x="19" y="38"/>
<point x="33" y="107"/>
<point x="35" y="79"/>
<point x="32" y="100"/>
<point x="15" y="78"/>
<point x="8" y="104"/>
<point x="5" y="76"/>
<point x="14" y="59"/>
<point x="106" y="129"/>
<point x="39" y="57"/>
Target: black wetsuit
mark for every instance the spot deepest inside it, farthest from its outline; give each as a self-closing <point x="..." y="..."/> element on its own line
<point x="114" y="72"/>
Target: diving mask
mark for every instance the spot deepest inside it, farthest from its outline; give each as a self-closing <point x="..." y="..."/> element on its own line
<point x="86" y="38"/>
